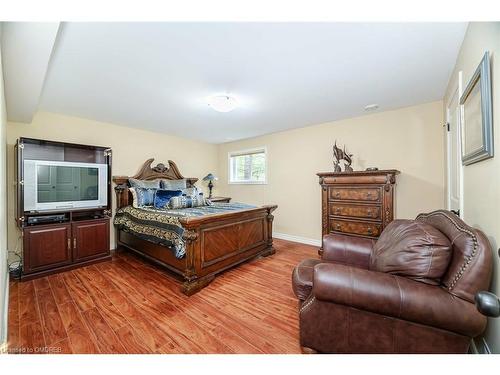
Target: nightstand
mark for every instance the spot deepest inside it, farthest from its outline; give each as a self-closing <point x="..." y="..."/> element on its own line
<point x="220" y="199"/>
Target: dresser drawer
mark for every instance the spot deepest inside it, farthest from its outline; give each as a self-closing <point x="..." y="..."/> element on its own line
<point x="355" y="227"/>
<point x="352" y="210"/>
<point x="355" y="194"/>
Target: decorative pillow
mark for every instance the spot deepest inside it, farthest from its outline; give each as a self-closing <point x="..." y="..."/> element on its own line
<point x="162" y="197"/>
<point x="134" y="197"/>
<point x="187" y="202"/>
<point x="144" y="197"/>
<point x="135" y="183"/>
<point x="190" y="192"/>
<point x="412" y="249"/>
<point x="174" y="184"/>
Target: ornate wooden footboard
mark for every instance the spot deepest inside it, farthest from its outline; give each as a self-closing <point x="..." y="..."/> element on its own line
<point x="214" y="243"/>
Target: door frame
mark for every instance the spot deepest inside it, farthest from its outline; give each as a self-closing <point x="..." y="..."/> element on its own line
<point x="458" y="88"/>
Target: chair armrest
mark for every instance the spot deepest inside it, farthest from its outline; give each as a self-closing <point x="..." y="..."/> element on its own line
<point x="396" y="297"/>
<point x="355" y="251"/>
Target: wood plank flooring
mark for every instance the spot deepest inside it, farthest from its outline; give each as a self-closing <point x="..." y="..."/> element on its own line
<point x="128" y="305"/>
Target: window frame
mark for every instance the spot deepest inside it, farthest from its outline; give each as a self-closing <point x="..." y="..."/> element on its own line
<point x="254" y="150"/>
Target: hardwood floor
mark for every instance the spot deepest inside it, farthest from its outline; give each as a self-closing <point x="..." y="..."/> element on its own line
<point x="130" y="306"/>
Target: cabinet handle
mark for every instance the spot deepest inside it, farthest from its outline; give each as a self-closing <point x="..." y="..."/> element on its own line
<point x="69" y="243"/>
<point x="74" y="243"/>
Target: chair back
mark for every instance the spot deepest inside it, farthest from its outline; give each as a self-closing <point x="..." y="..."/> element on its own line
<point x="471" y="264"/>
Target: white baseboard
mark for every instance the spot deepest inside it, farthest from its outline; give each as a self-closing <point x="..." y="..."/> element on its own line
<point x="304" y="240"/>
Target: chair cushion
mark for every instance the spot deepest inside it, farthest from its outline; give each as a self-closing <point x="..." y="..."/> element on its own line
<point x="412" y="249"/>
<point x="302" y="278"/>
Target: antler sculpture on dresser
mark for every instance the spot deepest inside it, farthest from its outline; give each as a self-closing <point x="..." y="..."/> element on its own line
<point x="339" y="155"/>
<point x="348" y="159"/>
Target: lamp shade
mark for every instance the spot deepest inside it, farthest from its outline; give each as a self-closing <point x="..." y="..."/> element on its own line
<point x="210" y="177"/>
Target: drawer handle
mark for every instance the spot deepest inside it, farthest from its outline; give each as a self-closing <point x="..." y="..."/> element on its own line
<point x="369" y="194"/>
<point x="370" y="231"/>
<point x="337" y="226"/>
<point x="337" y="211"/>
<point x="369" y="212"/>
<point x="337" y="194"/>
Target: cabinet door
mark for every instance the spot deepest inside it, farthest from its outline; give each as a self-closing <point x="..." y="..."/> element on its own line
<point x="46" y="247"/>
<point x="90" y="239"/>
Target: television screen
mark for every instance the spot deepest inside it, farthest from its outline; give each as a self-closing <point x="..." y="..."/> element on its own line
<point x="62" y="185"/>
<point x="57" y="183"/>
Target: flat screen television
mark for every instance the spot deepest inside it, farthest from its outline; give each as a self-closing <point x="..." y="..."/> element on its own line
<point x="60" y="185"/>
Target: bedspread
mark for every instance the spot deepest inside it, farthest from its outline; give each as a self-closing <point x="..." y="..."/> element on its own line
<point x="162" y="226"/>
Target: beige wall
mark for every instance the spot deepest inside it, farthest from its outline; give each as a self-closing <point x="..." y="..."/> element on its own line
<point x="131" y="147"/>
<point x="482" y="180"/>
<point x="3" y="211"/>
<point x="408" y="139"/>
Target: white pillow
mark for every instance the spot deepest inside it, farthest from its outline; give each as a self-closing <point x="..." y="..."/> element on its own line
<point x="134" y="197"/>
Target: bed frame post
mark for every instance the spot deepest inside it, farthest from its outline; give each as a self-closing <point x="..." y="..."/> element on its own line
<point x="192" y="283"/>
<point x="270" y="218"/>
<point x="121" y="191"/>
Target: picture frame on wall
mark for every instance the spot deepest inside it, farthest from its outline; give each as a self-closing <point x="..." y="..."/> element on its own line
<point x="477" y="118"/>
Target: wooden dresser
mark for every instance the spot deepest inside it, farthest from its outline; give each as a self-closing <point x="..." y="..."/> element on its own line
<point x="357" y="203"/>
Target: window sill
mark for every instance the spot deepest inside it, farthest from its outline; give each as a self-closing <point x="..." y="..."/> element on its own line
<point x="247" y="182"/>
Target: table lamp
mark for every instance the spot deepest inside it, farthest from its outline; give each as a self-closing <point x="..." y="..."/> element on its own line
<point x="210" y="177"/>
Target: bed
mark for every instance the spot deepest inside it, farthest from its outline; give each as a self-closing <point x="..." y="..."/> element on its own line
<point x="194" y="243"/>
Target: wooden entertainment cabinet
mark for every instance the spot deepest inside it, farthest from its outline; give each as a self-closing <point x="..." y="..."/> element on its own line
<point x="80" y="236"/>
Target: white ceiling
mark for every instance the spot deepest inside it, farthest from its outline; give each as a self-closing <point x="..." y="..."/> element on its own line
<point x="286" y="75"/>
<point x="26" y="51"/>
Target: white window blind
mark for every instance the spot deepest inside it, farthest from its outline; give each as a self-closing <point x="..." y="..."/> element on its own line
<point x="248" y="167"/>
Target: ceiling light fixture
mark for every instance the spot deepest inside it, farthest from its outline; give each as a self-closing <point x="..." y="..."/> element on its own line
<point x="371" y="107"/>
<point x="222" y="103"/>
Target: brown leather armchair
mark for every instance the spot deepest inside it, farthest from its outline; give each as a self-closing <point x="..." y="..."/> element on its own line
<point x="346" y="307"/>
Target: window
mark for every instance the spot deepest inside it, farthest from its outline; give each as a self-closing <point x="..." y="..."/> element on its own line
<point x="248" y="167"/>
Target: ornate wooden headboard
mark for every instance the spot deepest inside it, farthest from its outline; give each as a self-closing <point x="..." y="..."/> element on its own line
<point x="147" y="172"/>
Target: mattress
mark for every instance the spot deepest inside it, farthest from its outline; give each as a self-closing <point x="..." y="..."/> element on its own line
<point x="162" y="226"/>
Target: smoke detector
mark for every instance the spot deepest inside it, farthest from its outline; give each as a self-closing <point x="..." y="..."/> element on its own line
<point x="371" y="107"/>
